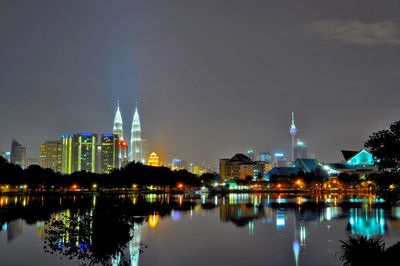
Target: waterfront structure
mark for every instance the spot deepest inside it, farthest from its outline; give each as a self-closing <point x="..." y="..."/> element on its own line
<point x="293" y="131"/>
<point x="153" y="160"/>
<point x="240" y="166"/>
<point x="358" y="159"/>
<point x="300" y="150"/>
<point x="357" y="162"/>
<point x="136" y="145"/>
<point x="18" y="154"/>
<point x="79" y="153"/>
<point x="51" y="155"/>
<point x="109" y="153"/>
<point x="306" y="165"/>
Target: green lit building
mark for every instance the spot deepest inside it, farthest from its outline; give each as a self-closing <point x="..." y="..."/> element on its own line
<point x="109" y="152"/>
<point x="79" y="153"/>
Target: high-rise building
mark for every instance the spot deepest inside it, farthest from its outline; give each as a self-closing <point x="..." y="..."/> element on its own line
<point x="250" y="154"/>
<point x="18" y="154"/>
<point x="124" y="154"/>
<point x="51" y="155"/>
<point x="136" y="147"/>
<point x="265" y="157"/>
<point x="280" y="160"/>
<point x="123" y="145"/>
<point x="293" y="131"/>
<point x="145" y="150"/>
<point x="118" y="125"/>
<point x="300" y="150"/>
<point x="109" y="152"/>
<point x="79" y="153"/>
<point x="154" y="159"/>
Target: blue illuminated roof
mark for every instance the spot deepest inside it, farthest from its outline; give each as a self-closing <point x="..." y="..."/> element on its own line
<point x="87" y="134"/>
<point x="108" y="135"/>
<point x="176" y="160"/>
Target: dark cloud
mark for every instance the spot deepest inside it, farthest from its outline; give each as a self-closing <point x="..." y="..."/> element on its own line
<point x="355" y="32"/>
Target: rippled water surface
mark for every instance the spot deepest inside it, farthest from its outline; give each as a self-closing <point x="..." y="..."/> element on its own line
<point x="200" y="229"/>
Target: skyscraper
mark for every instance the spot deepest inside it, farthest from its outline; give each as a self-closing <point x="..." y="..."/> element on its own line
<point x="119" y="131"/>
<point x="293" y="131"/>
<point x="118" y="125"/>
<point x="109" y="152"/>
<point x="79" y="153"/>
<point x="18" y="154"/>
<point x="300" y="150"/>
<point x="136" y="148"/>
<point x="51" y="155"/>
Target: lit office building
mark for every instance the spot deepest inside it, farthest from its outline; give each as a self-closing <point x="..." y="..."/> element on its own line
<point x="109" y="152"/>
<point x="300" y="150"/>
<point x="51" y="155"/>
<point x="18" y="154"/>
<point x="265" y="157"/>
<point x="153" y="159"/>
<point x="79" y="153"/>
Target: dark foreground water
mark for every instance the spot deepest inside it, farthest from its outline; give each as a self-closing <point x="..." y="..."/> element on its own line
<point x="236" y="229"/>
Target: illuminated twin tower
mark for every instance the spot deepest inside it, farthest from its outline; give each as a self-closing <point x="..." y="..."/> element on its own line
<point x="136" y="144"/>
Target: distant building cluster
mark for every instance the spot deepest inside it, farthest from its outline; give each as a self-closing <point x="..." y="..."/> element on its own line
<point x="98" y="153"/>
<point x="264" y="165"/>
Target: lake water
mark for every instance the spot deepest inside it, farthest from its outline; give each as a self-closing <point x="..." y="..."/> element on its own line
<point x="154" y="229"/>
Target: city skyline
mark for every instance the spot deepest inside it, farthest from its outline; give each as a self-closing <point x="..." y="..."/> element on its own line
<point x="212" y="78"/>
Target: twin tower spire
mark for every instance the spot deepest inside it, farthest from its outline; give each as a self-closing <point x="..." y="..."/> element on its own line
<point x="136" y="144"/>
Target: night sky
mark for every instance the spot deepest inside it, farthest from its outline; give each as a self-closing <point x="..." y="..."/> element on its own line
<point x="211" y="77"/>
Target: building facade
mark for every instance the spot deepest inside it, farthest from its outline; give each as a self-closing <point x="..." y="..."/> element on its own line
<point x="136" y="145"/>
<point x="79" y="153"/>
<point x="300" y="150"/>
<point x="240" y="167"/>
<point x="18" y="154"/>
<point x="109" y="155"/>
<point x="153" y="160"/>
<point x="51" y="155"/>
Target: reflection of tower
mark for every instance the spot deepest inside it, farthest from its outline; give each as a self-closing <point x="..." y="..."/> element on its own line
<point x="293" y="131"/>
<point x="136" y="152"/>
<point x="14" y="229"/>
<point x="134" y="245"/>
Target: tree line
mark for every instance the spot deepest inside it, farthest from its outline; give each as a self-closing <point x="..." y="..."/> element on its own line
<point x="133" y="174"/>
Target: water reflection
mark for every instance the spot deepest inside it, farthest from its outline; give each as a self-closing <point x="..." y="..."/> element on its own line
<point x="107" y="230"/>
